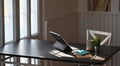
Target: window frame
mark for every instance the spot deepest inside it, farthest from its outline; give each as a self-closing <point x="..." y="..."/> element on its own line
<point x="16" y="21"/>
<point x="2" y="38"/>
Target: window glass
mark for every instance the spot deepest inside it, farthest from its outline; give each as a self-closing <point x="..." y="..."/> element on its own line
<point x="8" y="20"/>
<point x="34" y="25"/>
<point x="23" y="60"/>
<point x="9" y="64"/>
<point x="23" y="18"/>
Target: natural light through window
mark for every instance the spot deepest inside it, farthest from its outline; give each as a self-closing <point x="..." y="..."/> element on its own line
<point x="34" y="24"/>
<point x="20" y="21"/>
<point x="8" y="18"/>
<point x="23" y="18"/>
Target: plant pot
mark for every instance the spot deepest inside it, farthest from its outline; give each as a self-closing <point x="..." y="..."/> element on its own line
<point x="96" y="49"/>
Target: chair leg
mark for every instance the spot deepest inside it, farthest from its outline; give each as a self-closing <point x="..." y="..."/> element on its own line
<point x="51" y="63"/>
<point x="78" y="64"/>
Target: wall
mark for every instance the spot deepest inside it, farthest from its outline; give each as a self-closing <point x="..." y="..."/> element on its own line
<point x="62" y="17"/>
<point x="102" y="21"/>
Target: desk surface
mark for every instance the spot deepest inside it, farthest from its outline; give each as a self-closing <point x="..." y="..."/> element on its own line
<point x="40" y="49"/>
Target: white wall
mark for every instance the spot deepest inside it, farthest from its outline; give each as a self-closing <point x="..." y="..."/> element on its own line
<point x="109" y="22"/>
<point x="105" y="21"/>
<point x="82" y="5"/>
<point x="115" y="6"/>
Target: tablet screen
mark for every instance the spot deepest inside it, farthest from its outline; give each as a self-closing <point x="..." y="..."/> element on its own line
<point x="60" y="43"/>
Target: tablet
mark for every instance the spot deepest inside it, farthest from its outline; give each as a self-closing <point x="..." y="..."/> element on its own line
<point x="60" y="43"/>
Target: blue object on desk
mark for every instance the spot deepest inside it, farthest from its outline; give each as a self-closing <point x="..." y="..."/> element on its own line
<point x="82" y="52"/>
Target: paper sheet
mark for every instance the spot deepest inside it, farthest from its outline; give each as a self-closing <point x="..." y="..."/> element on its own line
<point x="60" y="54"/>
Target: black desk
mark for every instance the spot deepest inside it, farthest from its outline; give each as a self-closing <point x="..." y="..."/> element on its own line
<point x="40" y="49"/>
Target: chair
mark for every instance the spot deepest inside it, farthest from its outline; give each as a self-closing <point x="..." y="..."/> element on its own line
<point x="91" y="34"/>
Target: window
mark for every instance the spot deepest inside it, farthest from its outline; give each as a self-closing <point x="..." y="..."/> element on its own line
<point x="8" y="20"/>
<point x="27" y="24"/>
<point x="34" y="20"/>
<point x="23" y="18"/>
<point x="18" y="19"/>
<point x="24" y="8"/>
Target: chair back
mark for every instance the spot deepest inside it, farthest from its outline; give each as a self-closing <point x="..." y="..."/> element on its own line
<point x="92" y="33"/>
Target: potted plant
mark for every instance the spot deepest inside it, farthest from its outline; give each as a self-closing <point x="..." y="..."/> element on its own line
<point x="96" y="42"/>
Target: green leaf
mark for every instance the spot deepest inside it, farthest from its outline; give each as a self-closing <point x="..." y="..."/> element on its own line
<point x="96" y="41"/>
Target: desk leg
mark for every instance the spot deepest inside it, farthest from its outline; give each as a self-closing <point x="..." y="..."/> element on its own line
<point x="39" y="62"/>
<point x="17" y="60"/>
<point x="2" y="57"/>
<point x="46" y="63"/>
<point x="29" y="60"/>
<point x="110" y="62"/>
